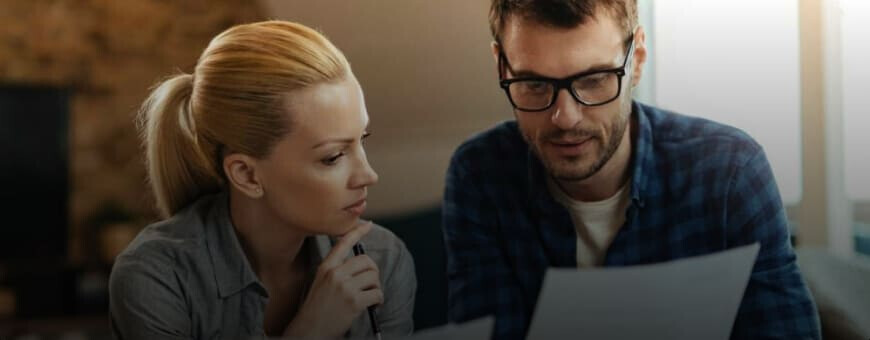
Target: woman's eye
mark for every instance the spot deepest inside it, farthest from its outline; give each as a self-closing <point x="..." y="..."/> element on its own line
<point x="364" y="137"/>
<point x="332" y="160"/>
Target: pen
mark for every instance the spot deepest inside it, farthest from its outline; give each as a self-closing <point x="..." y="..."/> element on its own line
<point x="373" y="315"/>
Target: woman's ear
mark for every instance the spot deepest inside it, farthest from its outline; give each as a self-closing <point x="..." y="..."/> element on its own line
<point x="242" y="174"/>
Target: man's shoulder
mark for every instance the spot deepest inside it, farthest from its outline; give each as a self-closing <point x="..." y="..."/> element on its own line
<point x="680" y="135"/>
<point x="499" y="145"/>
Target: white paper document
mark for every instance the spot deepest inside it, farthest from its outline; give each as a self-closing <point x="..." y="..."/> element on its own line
<point x="692" y="298"/>
<point x="478" y="329"/>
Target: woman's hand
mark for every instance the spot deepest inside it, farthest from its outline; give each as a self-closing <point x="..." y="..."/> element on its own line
<point x="342" y="289"/>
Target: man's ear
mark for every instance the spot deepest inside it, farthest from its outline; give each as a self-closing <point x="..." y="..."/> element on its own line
<point x="496" y="53"/>
<point x="640" y="55"/>
<point x="241" y="171"/>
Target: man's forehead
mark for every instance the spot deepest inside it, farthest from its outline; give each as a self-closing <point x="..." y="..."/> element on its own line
<point x="600" y="17"/>
<point x="556" y="52"/>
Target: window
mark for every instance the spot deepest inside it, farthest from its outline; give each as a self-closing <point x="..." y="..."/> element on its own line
<point x="854" y="31"/>
<point x="744" y="72"/>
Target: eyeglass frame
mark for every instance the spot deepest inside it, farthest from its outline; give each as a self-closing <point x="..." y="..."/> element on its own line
<point x="562" y="83"/>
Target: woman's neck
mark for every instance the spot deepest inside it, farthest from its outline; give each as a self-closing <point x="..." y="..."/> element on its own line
<point x="272" y="248"/>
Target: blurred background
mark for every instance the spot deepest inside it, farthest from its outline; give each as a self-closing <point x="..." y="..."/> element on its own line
<point x="792" y="73"/>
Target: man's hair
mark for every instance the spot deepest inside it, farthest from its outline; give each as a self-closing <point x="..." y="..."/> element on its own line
<point x="561" y="13"/>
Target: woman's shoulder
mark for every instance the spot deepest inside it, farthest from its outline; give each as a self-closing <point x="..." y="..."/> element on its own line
<point x="388" y="251"/>
<point x="399" y="280"/>
<point x="168" y="239"/>
<point x="382" y="239"/>
<point x="150" y="283"/>
<point x="164" y="257"/>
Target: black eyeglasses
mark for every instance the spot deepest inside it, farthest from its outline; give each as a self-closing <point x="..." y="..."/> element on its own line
<point x="591" y="88"/>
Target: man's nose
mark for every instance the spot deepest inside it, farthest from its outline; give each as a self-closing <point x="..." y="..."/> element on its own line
<point x="566" y="112"/>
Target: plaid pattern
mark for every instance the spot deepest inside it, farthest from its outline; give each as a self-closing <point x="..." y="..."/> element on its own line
<point x="698" y="187"/>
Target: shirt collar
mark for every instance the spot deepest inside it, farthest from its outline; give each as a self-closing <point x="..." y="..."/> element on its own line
<point x="232" y="270"/>
<point x="642" y="154"/>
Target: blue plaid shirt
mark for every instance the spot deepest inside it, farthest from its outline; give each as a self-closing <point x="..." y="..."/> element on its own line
<point x="698" y="187"/>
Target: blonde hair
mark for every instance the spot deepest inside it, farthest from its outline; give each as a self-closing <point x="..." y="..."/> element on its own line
<point x="232" y="102"/>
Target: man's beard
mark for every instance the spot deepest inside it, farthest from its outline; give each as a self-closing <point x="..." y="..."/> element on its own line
<point x="565" y="169"/>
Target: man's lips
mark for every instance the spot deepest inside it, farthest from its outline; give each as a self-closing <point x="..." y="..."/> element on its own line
<point x="570" y="142"/>
<point x="571" y="147"/>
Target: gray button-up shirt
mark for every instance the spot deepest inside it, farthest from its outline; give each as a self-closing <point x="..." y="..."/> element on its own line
<point x="187" y="278"/>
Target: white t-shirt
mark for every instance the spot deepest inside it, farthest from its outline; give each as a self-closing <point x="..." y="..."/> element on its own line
<point x="596" y="223"/>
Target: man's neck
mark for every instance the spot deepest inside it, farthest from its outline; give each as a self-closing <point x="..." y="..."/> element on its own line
<point x="609" y="179"/>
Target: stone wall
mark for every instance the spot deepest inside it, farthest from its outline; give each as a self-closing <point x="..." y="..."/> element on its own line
<point x="108" y="53"/>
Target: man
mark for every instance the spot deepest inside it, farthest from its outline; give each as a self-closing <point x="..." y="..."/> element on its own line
<point x="586" y="177"/>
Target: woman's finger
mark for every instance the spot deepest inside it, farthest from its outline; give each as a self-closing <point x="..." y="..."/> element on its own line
<point x="336" y="256"/>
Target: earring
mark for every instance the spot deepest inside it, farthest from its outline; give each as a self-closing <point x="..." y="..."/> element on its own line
<point x="259" y="190"/>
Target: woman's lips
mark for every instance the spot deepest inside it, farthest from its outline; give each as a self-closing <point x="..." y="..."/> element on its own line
<point x="357" y="208"/>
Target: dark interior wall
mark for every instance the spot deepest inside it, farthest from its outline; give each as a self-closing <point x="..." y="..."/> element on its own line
<point x="34" y="167"/>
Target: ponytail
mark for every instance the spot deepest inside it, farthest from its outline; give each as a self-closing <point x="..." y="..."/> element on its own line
<point x="179" y="170"/>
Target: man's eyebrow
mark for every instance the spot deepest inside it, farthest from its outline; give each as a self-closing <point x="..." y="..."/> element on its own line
<point x="533" y="74"/>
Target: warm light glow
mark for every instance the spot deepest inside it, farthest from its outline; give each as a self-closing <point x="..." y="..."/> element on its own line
<point x="735" y="62"/>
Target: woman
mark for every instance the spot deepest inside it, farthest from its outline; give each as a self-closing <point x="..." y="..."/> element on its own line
<point x="257" y="160"/>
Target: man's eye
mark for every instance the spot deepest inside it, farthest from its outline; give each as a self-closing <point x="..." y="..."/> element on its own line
<point x="591" y="81"/>
<point x="535" y="86"/>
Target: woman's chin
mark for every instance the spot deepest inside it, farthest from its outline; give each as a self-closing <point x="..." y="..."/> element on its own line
<point x="342" y="227"/>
